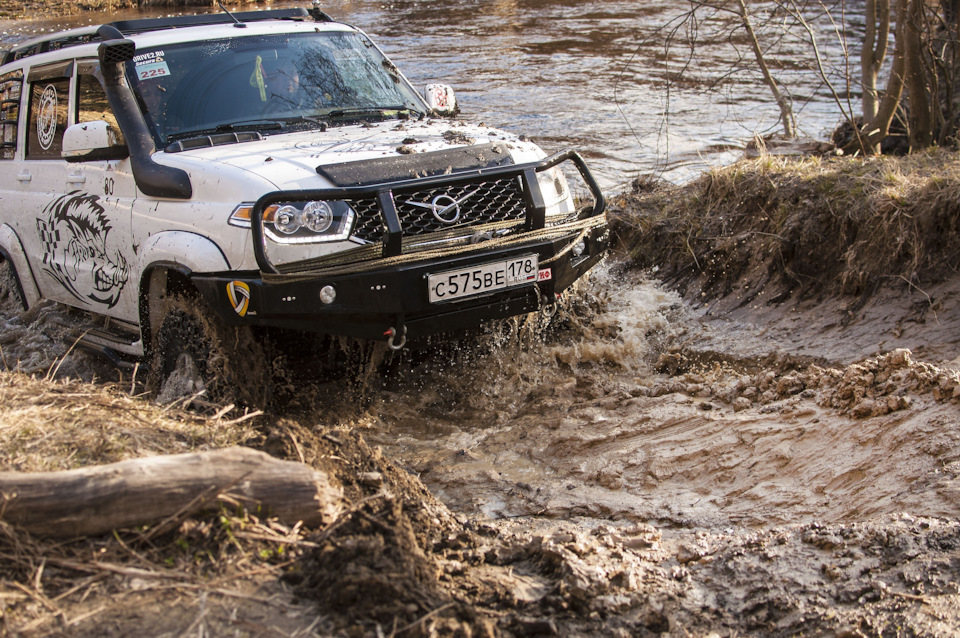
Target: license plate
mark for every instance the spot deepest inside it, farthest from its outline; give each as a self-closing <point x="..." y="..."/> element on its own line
<point x="482" y="279"/>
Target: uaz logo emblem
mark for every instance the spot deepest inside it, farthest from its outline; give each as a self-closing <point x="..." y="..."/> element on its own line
<point x="239" y="294"/>
<point x="443" y="205"/>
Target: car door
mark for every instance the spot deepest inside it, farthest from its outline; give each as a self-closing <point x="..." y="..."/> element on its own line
<point x="80" y="211"/>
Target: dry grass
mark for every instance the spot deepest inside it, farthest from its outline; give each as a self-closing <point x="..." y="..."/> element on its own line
<point x="74" y="588"/>
<point x="56" y="425"/>
<point x="813" y="225"/>
<point x="229" y="557"/>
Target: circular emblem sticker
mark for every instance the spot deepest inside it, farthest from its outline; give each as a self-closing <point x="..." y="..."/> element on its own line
<point x="47" y="117"/>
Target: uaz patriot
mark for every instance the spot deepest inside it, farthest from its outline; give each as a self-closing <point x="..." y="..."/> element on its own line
<point x="278" y="170"/>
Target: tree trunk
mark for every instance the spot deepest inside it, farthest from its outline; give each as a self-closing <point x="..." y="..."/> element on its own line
<point x="873" y="53"/>
<point x="96" y="500"/>
<point x="920" y="115"/>
<point x="875" y="130"/>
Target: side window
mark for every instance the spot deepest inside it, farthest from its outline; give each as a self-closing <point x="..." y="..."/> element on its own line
<point x="10" y="85"/>
<point x="48" y="117"/>
<point x="92" y="103"/>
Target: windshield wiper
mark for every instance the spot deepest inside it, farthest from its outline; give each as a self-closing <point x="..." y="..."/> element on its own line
<point x="251" y="125"/>
<point x="303" y="119"/>
<point x="361" y="111"/>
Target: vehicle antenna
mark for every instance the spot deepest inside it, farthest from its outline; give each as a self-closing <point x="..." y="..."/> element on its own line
<point x="236" y="23"/>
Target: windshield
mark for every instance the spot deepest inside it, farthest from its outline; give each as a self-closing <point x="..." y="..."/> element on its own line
<point x="267" y="83"/>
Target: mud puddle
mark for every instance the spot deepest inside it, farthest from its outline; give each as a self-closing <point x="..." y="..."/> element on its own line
<point x="632" y="406"/>
<point x="617" y="417"/>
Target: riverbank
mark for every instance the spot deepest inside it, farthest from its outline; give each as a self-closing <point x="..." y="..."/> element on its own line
<point x="39" y="9"/>
<point x="42" y="9"/>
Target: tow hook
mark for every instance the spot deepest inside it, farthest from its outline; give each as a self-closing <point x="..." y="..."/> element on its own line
<point x="391" y="334"/>
<point x="549" y="309"/>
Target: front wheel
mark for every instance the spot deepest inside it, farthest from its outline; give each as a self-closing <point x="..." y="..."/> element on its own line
<point x="196" y="354"/>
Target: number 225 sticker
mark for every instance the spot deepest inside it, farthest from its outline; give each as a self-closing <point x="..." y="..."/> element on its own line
<point x="152" y="70"/>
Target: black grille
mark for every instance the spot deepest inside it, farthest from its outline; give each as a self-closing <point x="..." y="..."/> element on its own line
<point x="482" y="203"/>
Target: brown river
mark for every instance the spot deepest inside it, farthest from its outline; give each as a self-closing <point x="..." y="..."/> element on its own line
<point x="611" y="78"/>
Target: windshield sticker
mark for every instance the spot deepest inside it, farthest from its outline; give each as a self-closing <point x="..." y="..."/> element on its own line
<point x="151" y="65"/>
<point x="73" y="236"/>
<point x="47" y="117"/>
<point x="148" y="57"/>
<point x="152" y="70"/>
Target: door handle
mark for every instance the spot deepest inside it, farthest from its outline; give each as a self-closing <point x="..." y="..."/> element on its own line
<point x="76" y="179"/>
<point x="24" y="176"/>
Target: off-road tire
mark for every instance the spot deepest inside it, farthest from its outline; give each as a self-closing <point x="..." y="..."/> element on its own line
<point x="230" y="361"/>
<point x="11" y="291"/>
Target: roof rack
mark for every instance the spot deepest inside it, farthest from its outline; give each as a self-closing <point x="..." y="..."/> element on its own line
<point x="127" y="27"/>
<point x="83" y="36"/>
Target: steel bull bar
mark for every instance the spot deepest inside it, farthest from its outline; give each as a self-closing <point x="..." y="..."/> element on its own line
<point x="381" y="291"/>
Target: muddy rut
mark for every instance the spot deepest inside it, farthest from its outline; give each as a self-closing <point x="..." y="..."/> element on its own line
<point x="626" y="416"/>
<point x="638" y="466"/>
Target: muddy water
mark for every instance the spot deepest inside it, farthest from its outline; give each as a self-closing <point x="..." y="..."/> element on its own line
<point x="577" y="423"/>
<point x="592" y="75"/>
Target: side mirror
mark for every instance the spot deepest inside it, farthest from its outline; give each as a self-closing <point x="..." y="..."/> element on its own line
<point x="440" y="99"/>
<point x="90" y="141"/>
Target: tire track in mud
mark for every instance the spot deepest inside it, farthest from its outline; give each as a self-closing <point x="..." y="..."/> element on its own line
<point x="582" y="425"/>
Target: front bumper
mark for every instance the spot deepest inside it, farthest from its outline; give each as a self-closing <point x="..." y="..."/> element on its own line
<point x="370" y="303"/>
<point x="388" y="294"/>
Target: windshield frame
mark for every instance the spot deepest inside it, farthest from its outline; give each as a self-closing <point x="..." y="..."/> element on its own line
<point x="200" y="87"/>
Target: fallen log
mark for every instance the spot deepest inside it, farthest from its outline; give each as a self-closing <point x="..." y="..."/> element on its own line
<point x="95" y="500"/>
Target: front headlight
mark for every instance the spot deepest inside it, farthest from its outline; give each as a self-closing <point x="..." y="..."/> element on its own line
<point x="301" y="222"/>
<point x="555" y="192"/>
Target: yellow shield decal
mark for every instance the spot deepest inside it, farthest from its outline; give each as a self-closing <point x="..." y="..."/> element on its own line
<point x="239" y="294"/>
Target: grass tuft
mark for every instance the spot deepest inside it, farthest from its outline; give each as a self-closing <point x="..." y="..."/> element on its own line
<point x="814" y="225"/>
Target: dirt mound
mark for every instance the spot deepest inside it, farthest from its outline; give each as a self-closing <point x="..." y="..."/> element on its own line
<point x="372" y="568"/>
<point x="872" y="387"/>
<point x="801" y="228"/>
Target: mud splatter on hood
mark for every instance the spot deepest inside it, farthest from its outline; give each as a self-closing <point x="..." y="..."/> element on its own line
<point x="292" y="160"/>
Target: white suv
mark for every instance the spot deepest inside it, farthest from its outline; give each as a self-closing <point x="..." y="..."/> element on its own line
<point x="276" y="168"/>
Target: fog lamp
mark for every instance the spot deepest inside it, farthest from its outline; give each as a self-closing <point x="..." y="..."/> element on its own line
<point x="328" y="294"/>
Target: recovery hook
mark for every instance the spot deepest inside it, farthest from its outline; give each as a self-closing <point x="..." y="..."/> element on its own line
<point x="392" y="333"/>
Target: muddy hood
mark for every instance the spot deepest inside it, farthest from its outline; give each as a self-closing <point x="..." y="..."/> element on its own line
<point x="357" y="155"/>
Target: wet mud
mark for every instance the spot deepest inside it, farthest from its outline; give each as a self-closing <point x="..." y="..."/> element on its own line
<point x="636" y="467"/>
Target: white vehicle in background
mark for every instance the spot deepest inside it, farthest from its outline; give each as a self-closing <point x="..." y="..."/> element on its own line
<point x="265" y="170"/>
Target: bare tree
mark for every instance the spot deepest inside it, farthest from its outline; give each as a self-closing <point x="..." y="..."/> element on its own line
<point x="786" y="108"/>
<point x="916" y="75"/>
<point x="922" y="86"/>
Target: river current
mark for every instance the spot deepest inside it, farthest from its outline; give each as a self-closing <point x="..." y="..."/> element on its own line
<point x="614" y="79"/>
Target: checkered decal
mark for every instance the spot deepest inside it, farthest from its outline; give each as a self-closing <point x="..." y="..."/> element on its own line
<point x="49" y="238"/>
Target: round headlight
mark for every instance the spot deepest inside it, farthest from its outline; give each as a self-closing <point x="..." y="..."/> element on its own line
<point x="318" y="216"/>
<point x="287" y="220"/>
